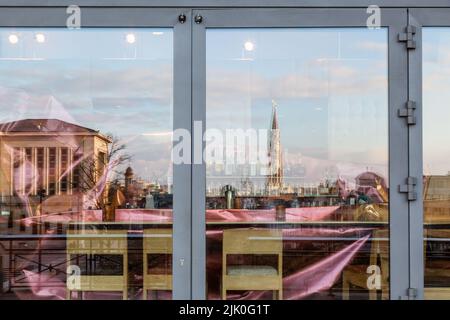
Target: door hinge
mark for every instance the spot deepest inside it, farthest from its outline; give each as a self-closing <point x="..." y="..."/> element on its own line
<point x="411" y="294"/>
<point x="408" y="112"/>
<point x="408" y="37"/>
<point x="409" y="188"/>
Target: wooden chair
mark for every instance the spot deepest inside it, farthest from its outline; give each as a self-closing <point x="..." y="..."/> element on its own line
<point x="252" y="277"/>
<point x="441" y="293"/>
<point x="357" y="274"/>
<point x="105" y="242"/>
<point x="436" y="269"/>
<point x="156" y="241"/>
<point x="436" y="211"/>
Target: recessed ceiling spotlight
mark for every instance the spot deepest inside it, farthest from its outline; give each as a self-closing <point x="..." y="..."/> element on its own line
<point x="249" y="46"/>
<point x="131" y="38"/>
<point x="40" y="37"/>
<point x="13" y="39"/>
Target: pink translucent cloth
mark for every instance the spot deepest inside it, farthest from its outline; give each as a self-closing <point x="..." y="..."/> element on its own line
<point x="143" y="215"/>
<point x="292" y="214"/>
<point x="84" y="216"/>
<point x="318" y="276"/>
<point x="165" y="215"/>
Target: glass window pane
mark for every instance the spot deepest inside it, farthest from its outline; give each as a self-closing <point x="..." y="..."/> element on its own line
<point x="297" y="163"/>
<point x="436" y="168"/>
<point x="86" y="120"/>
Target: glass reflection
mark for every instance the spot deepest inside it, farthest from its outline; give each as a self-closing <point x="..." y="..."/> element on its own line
<point x="436" y="194"/>
<point x="85" y="171"/>
<point x="297" y="164"/>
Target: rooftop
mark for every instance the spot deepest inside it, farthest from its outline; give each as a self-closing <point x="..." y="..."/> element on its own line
<point x="42" y="125"/>
<point x="46" y="126"/>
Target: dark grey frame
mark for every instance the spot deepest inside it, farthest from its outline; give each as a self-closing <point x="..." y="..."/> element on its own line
<point x="138" y="17"/>
<point x="395" y="20"/>
<point x="232" y="3"/>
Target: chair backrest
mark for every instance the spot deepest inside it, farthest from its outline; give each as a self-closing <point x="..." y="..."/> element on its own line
<point x="380" y="247"/>
<point x="437" y="233"/>
<point x="437" y="211"/>
<point x="157" y="241"/>
<point x="252" y="241"/>
<point x="433" y="233"/>
<point x="91" y="241"/>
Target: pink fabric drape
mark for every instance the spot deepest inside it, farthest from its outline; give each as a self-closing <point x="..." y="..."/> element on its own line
<point x="318" y="276"/>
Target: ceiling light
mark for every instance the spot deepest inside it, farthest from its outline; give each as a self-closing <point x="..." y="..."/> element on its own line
<point x="13" y="39"/>
<point x="40" y="37"/>
<point x="249" y="46"/>
<point x="131" y="38"/>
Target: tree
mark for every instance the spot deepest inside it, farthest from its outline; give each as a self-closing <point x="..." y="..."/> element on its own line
<point x="99" y="172"/>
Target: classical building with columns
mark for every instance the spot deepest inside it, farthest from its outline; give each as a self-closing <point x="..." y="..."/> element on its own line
<point x="43" y="156"/>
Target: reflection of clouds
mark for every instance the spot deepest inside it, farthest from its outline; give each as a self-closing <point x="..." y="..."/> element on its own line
<point x="143" y="92"/>
<point x="126" y="124"/>
<point x="379" y="47"/>
<point x="436" y="77"/>
<point x="153" y="169"/>
<point x="372" y="156"/>
<point x="436" y="62"/>
<point x="126" y="105"/>
<point x="78" y="82"/>
<point x="436" y="73"/>
<point x="150" y="148"/>
<point x="158" y="134"/>
<point x="349" y="168"/>
<point x="126" y="100"/>
<point x="225" y="88"/>
<point x="28" y="106"/>
<point x="151" y="155"/>
<point x="436" y="83"/>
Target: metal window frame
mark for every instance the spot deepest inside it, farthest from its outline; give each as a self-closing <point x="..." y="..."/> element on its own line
<point x="231" y="3"/>
<point x="407" y="255"/>
<point x="419" y="18"/>
<point x="41" y="17"/>
<point x="396" y="21"/>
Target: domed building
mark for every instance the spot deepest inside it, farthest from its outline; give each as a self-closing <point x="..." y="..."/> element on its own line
<point x="372" y="185"/>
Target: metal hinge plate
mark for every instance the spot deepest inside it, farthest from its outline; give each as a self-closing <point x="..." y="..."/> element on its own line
<point x="408" y="37"/>
<point x="411" y="294"/>
<point x="409" y="188"/>
<point x="408" y="112"/>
